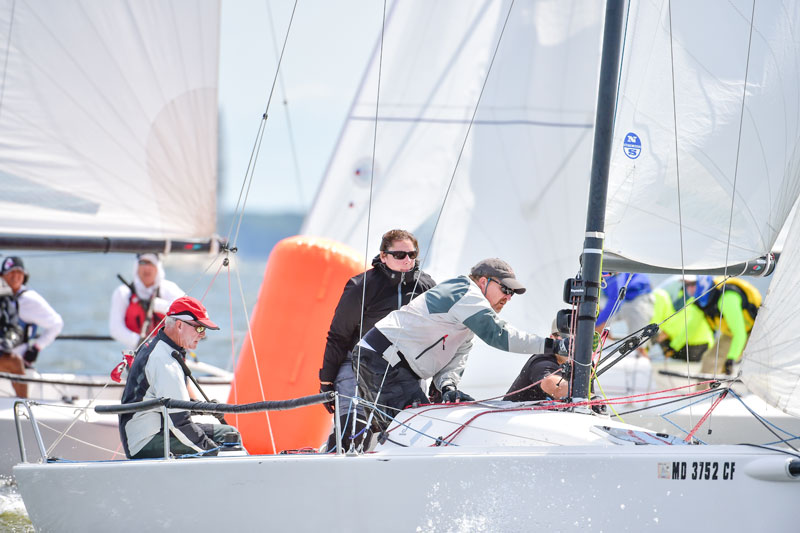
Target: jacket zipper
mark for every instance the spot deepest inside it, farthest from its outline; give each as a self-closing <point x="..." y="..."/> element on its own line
<point x="431" y="347"/>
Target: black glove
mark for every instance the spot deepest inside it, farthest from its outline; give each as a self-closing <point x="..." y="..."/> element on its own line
<point x="328" y="387"/>
<point x="450" y="394"/>
<point x="566" y="370"/>
<point x="30" y="356"/>
<point x="728" y="367"/>
<point x="561" y="346"/>
<point x="218" y="416"/>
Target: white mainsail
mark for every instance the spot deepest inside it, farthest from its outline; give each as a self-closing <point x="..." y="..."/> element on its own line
<point x="108" y="118"/>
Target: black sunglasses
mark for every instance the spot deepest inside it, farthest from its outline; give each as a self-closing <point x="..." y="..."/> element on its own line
<point x="401" y="254"/>
<point x="507" y="291"/>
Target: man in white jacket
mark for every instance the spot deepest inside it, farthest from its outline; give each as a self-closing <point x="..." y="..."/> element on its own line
<point x="138" y="308"/>
<point x="431" y="337"/>
<point x="40" y="323"/>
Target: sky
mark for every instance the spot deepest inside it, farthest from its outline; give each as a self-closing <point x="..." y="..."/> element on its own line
<point x="326" y="53"/>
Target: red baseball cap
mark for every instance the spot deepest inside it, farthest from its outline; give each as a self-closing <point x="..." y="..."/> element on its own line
<point x="190" y="309"/>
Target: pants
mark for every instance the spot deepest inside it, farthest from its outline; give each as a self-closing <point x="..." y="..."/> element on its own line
<point x="710" y="356"/>
<point x="636" y="313"/>
<point x="400" y="388"/>
<point x="695" y="353"/>
<point x="214" y="436"/>
<point x="345" y="385"/>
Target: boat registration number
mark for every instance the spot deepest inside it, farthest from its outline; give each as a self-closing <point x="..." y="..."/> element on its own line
<point x="706" y="470"/>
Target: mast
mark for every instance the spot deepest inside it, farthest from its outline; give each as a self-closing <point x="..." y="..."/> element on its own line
<point x="592" y="255"/>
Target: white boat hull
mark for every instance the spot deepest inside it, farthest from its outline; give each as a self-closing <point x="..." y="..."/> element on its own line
<point x="553" y="470"/>
<point x="572" y="488"/>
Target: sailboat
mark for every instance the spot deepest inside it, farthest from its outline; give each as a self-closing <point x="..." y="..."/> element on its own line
<point x="487" y="465"/>
<point x="108" y="135"/>
<point x="511" y="180"/>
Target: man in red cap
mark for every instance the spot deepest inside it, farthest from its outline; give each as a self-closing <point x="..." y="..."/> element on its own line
<point x="157" y="373"/>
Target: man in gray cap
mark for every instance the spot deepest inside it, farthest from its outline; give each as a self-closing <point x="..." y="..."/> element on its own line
<point x="431" y="337"/>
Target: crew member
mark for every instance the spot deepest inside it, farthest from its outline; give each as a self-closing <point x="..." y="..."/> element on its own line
<point x="157" y="373"/>
<point x="137" y="308"/>
<point x="730" y="307"/>
<point x="431" y="337"/>
<point x="40" y="323"/>
<point x="393" y="280"/>
<point x="542" y="377"/>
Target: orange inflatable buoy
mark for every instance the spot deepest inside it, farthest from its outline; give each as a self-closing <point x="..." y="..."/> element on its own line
<point x="302" y="285"/>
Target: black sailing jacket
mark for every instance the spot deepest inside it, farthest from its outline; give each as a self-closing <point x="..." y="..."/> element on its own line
<point x="386" y="290"/>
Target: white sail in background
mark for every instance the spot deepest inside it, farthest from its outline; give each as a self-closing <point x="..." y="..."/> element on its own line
<point x="653" y="217"/>
<point x="771" y="362"/>
<point x="108" y="118"/>
<point x="520" y="189"/>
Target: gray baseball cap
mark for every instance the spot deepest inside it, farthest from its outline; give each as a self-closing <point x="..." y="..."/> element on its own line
<point x="501" y="271"/>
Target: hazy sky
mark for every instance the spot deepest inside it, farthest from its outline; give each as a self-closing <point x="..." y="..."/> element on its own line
<point x="326" y="54"/>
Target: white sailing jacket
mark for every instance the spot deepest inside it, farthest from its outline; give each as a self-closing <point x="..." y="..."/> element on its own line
<point x="434" y="331"/>
<point x="33" y="310"/>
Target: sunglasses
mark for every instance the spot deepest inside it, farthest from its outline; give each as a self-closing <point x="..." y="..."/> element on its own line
<point x="507" y="291"/>
<point x="198" y="329"/>
<point x="401" y="254"/>
<point x="144" y="262"/>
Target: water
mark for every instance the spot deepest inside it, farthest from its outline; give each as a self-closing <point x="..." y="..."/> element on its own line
<point x="13" y="517"/>
<point x="79" y="287"/>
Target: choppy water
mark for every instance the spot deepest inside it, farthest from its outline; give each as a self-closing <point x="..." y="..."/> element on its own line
<point x="13" y="517"/>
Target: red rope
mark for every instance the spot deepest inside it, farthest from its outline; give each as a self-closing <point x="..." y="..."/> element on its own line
<point x="705" y="417"/>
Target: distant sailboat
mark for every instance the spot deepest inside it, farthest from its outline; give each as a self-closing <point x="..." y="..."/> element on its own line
<point x="108" y="143"/>
<point x="108" y="124"/>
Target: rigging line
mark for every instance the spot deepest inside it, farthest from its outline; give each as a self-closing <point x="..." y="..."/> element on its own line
<point x="735" y="178"/>
<point x="766" y="423"/>
<point x="261" y="126"/>
<point x="369" y="213"/>
<point x="255" y="358"/>
<point x="235" y="389"/>
<point x="8" y="52"/>
<point x="680" y="211"/>
<point x="469" y="129"/>
<point x="81" y="412"/>
<point x="248" y="180"/>
<point x="293" y="147"/>
<point x="622" y="60"/>
<point x="464" y="143"/>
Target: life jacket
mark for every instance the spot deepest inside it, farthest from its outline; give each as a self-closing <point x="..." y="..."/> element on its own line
<point x="29" y="331"/>
<point x="136" y="314"/>
<point x="11" y="334"/>
<point x="751" y="301"/>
